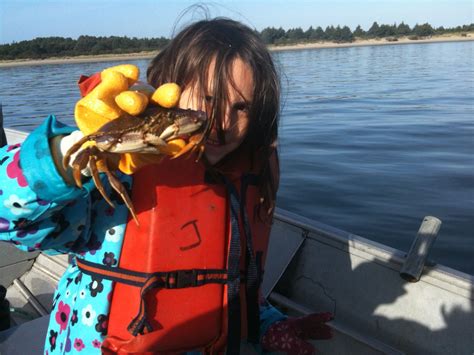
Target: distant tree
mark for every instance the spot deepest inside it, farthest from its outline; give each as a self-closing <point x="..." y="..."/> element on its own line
<point x="343" y="34"/>
<point x="84" y="44"/>
<point x="403" y="29"/>
<point x="386" y="31"/>
<point x="295" y="34"/>
<point x="319" y="34"/>
<point x="309" y="33"/>
<point x="271" y="35"/>
<point x="330" y="33"/>
<point x="268" y="35"/>
<point x="423" y="30"/>
<point x="373" y="30"/>
<point x="337" y="35"/>
<point x="359" y="32"/>
<point x="314" y="34"/>
<point x="347" y="35"/>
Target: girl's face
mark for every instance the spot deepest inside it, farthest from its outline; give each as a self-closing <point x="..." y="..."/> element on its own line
<point x="236" y="120"/>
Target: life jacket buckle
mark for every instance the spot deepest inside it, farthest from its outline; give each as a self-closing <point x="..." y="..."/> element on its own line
<point x="182" y="278"/>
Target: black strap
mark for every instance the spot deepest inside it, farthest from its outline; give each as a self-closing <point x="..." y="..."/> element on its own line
<point x="233" y="282"/>
<point x="253" y="276"/>
<point x="140" y="324"/>
<point x="147" y="281"/>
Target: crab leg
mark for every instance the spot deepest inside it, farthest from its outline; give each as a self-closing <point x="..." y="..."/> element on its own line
<point x="201" y="152"/>
<point x="75" y="147"/>
<point x="80" y="162"/>
<point x="117" y="186"/>
<point x="97" y="181"/>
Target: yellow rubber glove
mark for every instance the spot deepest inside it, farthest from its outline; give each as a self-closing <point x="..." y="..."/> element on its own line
<point x="115" y="94"/>
<point x="99" y="107"/>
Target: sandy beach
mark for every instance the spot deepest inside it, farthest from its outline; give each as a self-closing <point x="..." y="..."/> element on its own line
<point x="317" y="45"/>
<point x="373" y="42"/>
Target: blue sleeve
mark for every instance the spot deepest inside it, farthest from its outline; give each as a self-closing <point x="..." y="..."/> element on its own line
<point x="38" y="210"/>
<point x="269" y="315"/>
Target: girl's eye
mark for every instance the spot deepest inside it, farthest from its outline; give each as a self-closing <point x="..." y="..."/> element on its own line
<point x="208" y="98"/>
<point x="241" y="106"/>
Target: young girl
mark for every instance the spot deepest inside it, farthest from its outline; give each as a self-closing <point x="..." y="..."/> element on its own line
<point x="188" y="277"/>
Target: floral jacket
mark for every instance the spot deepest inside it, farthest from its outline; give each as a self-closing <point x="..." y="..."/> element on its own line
<point x="39" y="211"/>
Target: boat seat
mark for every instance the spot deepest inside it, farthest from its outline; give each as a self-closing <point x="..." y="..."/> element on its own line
<point x="12" y="341"/>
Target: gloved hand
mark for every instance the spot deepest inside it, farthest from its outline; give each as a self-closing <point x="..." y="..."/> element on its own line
<point x="61" y="144"/>
<point x="290" y="335"/>
<point x="98" y="106"/>
<point x="106" y="96"/>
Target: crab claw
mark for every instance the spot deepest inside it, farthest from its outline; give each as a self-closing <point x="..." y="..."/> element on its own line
<point x="184" y="125"/>
<point x="195" y="142"/>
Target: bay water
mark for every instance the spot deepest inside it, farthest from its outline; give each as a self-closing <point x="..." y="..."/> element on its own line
<point x="372" y="139"/>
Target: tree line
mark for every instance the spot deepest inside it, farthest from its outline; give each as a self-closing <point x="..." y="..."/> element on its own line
<point x="338" y="34"/>
<point x="47" y="47"/>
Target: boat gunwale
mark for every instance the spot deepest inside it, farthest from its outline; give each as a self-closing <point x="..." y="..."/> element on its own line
<point x="382" y="254"/>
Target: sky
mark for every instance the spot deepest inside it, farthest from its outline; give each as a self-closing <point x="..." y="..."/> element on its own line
<point x="28" y="19"/>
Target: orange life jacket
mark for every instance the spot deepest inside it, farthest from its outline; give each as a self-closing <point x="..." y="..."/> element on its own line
<point x="189" y="275"/>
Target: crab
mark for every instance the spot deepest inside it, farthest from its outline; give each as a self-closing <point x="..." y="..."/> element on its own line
<point x="149" y="133"/>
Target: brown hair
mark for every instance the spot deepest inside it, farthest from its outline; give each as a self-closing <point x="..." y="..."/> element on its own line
<point x="186" y="61"/>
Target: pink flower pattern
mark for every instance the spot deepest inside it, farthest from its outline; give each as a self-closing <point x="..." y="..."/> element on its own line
<point x="14" y="171"/>
<point x="12" y="147"/>
<point x="79" y="344"/>
<point x="96" y="343"/>
<point x="62" y="315"/>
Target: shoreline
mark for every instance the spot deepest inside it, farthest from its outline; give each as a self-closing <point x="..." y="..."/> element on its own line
<point x="292" y="47"/>
<point x="368" y="42"/>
